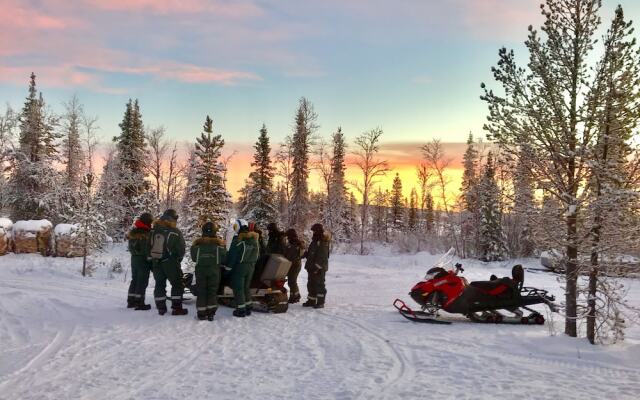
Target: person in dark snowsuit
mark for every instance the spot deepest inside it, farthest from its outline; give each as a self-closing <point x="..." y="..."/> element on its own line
<point x="293" y="250"/>
<point x="241" y="258"/>
<point x="317" y="265"/>
<point x="138" y="238"/>
<point x="167" y="250"/>
<point x="275" y="242"/>
<point x="208" y="252"/>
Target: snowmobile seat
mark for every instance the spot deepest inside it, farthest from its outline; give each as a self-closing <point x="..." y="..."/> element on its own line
<point x="495" y="287"/>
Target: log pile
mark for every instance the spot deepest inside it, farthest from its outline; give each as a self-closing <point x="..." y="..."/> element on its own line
<point x="32" y="237"/>
<point x="67" y="241"/>
<point x="5" y="235"/>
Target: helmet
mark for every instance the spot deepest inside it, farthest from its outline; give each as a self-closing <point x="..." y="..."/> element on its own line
<point x="272" y="227"/>
<point x="209" y="229"/>
<point x="146" y="217"/>
<point x="170" y="214"/>
<point x="317" y="228"/>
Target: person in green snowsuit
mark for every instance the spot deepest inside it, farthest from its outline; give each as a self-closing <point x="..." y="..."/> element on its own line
<point x="138" y="238"/>
<point x="317" y="265"/>
<point x="208" y="252"/>
<point x="166" y="261"/>
<point x="241" y="258"/>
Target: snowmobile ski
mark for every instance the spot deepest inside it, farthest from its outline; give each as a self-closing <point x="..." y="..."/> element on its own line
<point x="417" y="316"/>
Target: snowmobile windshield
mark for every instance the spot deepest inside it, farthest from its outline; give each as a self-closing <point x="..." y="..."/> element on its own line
<point x="442" y="264"/>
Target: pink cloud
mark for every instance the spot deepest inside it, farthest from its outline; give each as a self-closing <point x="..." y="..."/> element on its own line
<point x="219" y="8"/>
<point x="15" y="15"/>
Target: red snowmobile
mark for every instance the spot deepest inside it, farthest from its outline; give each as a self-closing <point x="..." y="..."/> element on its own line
<point x="482" y="301"/>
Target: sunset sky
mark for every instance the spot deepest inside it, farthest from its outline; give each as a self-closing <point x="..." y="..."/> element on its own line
<point x="411" y="67"/>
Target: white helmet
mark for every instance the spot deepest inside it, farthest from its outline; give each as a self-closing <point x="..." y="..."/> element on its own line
<point x="233" y="230"/>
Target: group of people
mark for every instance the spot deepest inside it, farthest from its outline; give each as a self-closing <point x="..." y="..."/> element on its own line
<point x="158" y="247"/>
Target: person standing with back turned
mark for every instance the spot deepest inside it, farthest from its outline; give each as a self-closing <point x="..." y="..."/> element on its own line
<point x="317" y="265"/>
<point x="167" y="252"/>
<point x="208" y="252"/>
<point x="242" y="256"/>
<point x="138" y="238"/>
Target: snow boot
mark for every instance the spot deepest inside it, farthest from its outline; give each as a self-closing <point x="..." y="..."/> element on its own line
<point x="178" y="310"/>
<point x="131" y="303"/>
<point x="294" y="298"/>
<point x="143" y="307"/>
<point x="239" y="312"/>
<point x="211" y="314"/>
<point x="162" y="311"/>
<point x="309" y="303"/>
<point x="247" y="310"/>
<point x="320" y="302"/>
<point x="202" y="317"/>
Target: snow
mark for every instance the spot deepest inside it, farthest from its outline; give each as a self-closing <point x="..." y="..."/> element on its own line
<point x="66" y="229"/>
<point x="68" y="337"/>
<point x="6" y="224"/>
<point x="35" y="225"/>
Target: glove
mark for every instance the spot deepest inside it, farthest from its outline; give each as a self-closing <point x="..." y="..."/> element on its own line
<point x="318" y="269"/>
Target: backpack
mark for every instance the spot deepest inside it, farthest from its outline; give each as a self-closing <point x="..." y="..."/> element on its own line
<point x="158" y="246"/>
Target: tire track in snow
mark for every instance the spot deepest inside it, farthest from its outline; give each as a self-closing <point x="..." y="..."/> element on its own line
<point x="398" y="371"/>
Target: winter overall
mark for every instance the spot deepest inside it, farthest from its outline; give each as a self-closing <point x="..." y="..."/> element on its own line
<point x="293" y="253"/>
<point x="243" y="254"/>
<point x="140" y="264"/>
<point x="168" y="266"/>
<point x="317" y="265"/>
<point x="208" y="253"/>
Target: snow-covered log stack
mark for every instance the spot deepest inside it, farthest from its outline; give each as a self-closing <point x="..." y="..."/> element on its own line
<point x="5" y="235"/>
<point x="67" y="241"/>
<point x="32" y="236"/>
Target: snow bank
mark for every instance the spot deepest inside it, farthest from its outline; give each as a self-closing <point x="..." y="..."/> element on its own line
<point x="32" y="236"/>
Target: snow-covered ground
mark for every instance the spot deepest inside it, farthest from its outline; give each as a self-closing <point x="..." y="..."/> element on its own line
<point x="67" y="337"/>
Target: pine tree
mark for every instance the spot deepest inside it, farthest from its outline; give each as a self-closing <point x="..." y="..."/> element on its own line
<point x="208" y="198"/>
<point x="259" y="197"/>
<point x="547" y="105"/>
<point x="35" y="180"/>
<point x="397" y="205"/>
<point x="305" y="126"/>
<point x="492" y="246"/>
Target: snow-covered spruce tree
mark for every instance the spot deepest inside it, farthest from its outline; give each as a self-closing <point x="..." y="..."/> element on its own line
<point x="429" y="216"/>
<point x="305" y="127"/>
<point x="35" y="179"/>
<point x="492" y="246"/>
<point x="546" y="106"/>
<point x="8" y="132"/>
<point x="208" y="198"/>
<point x="380" y="217"/>
<point x="338" y="212"/>
<point x="259" y="197"/>
<point x="73" y="156"/>
<point x="524" y="208"/>
<point x="469" y="200"/>
<point x="130" y="164"/>
<point x="612" y="228"/>
<point x="397" y="206"/>
<point x="110" y="200"/>
<point x="412" y="219"/>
